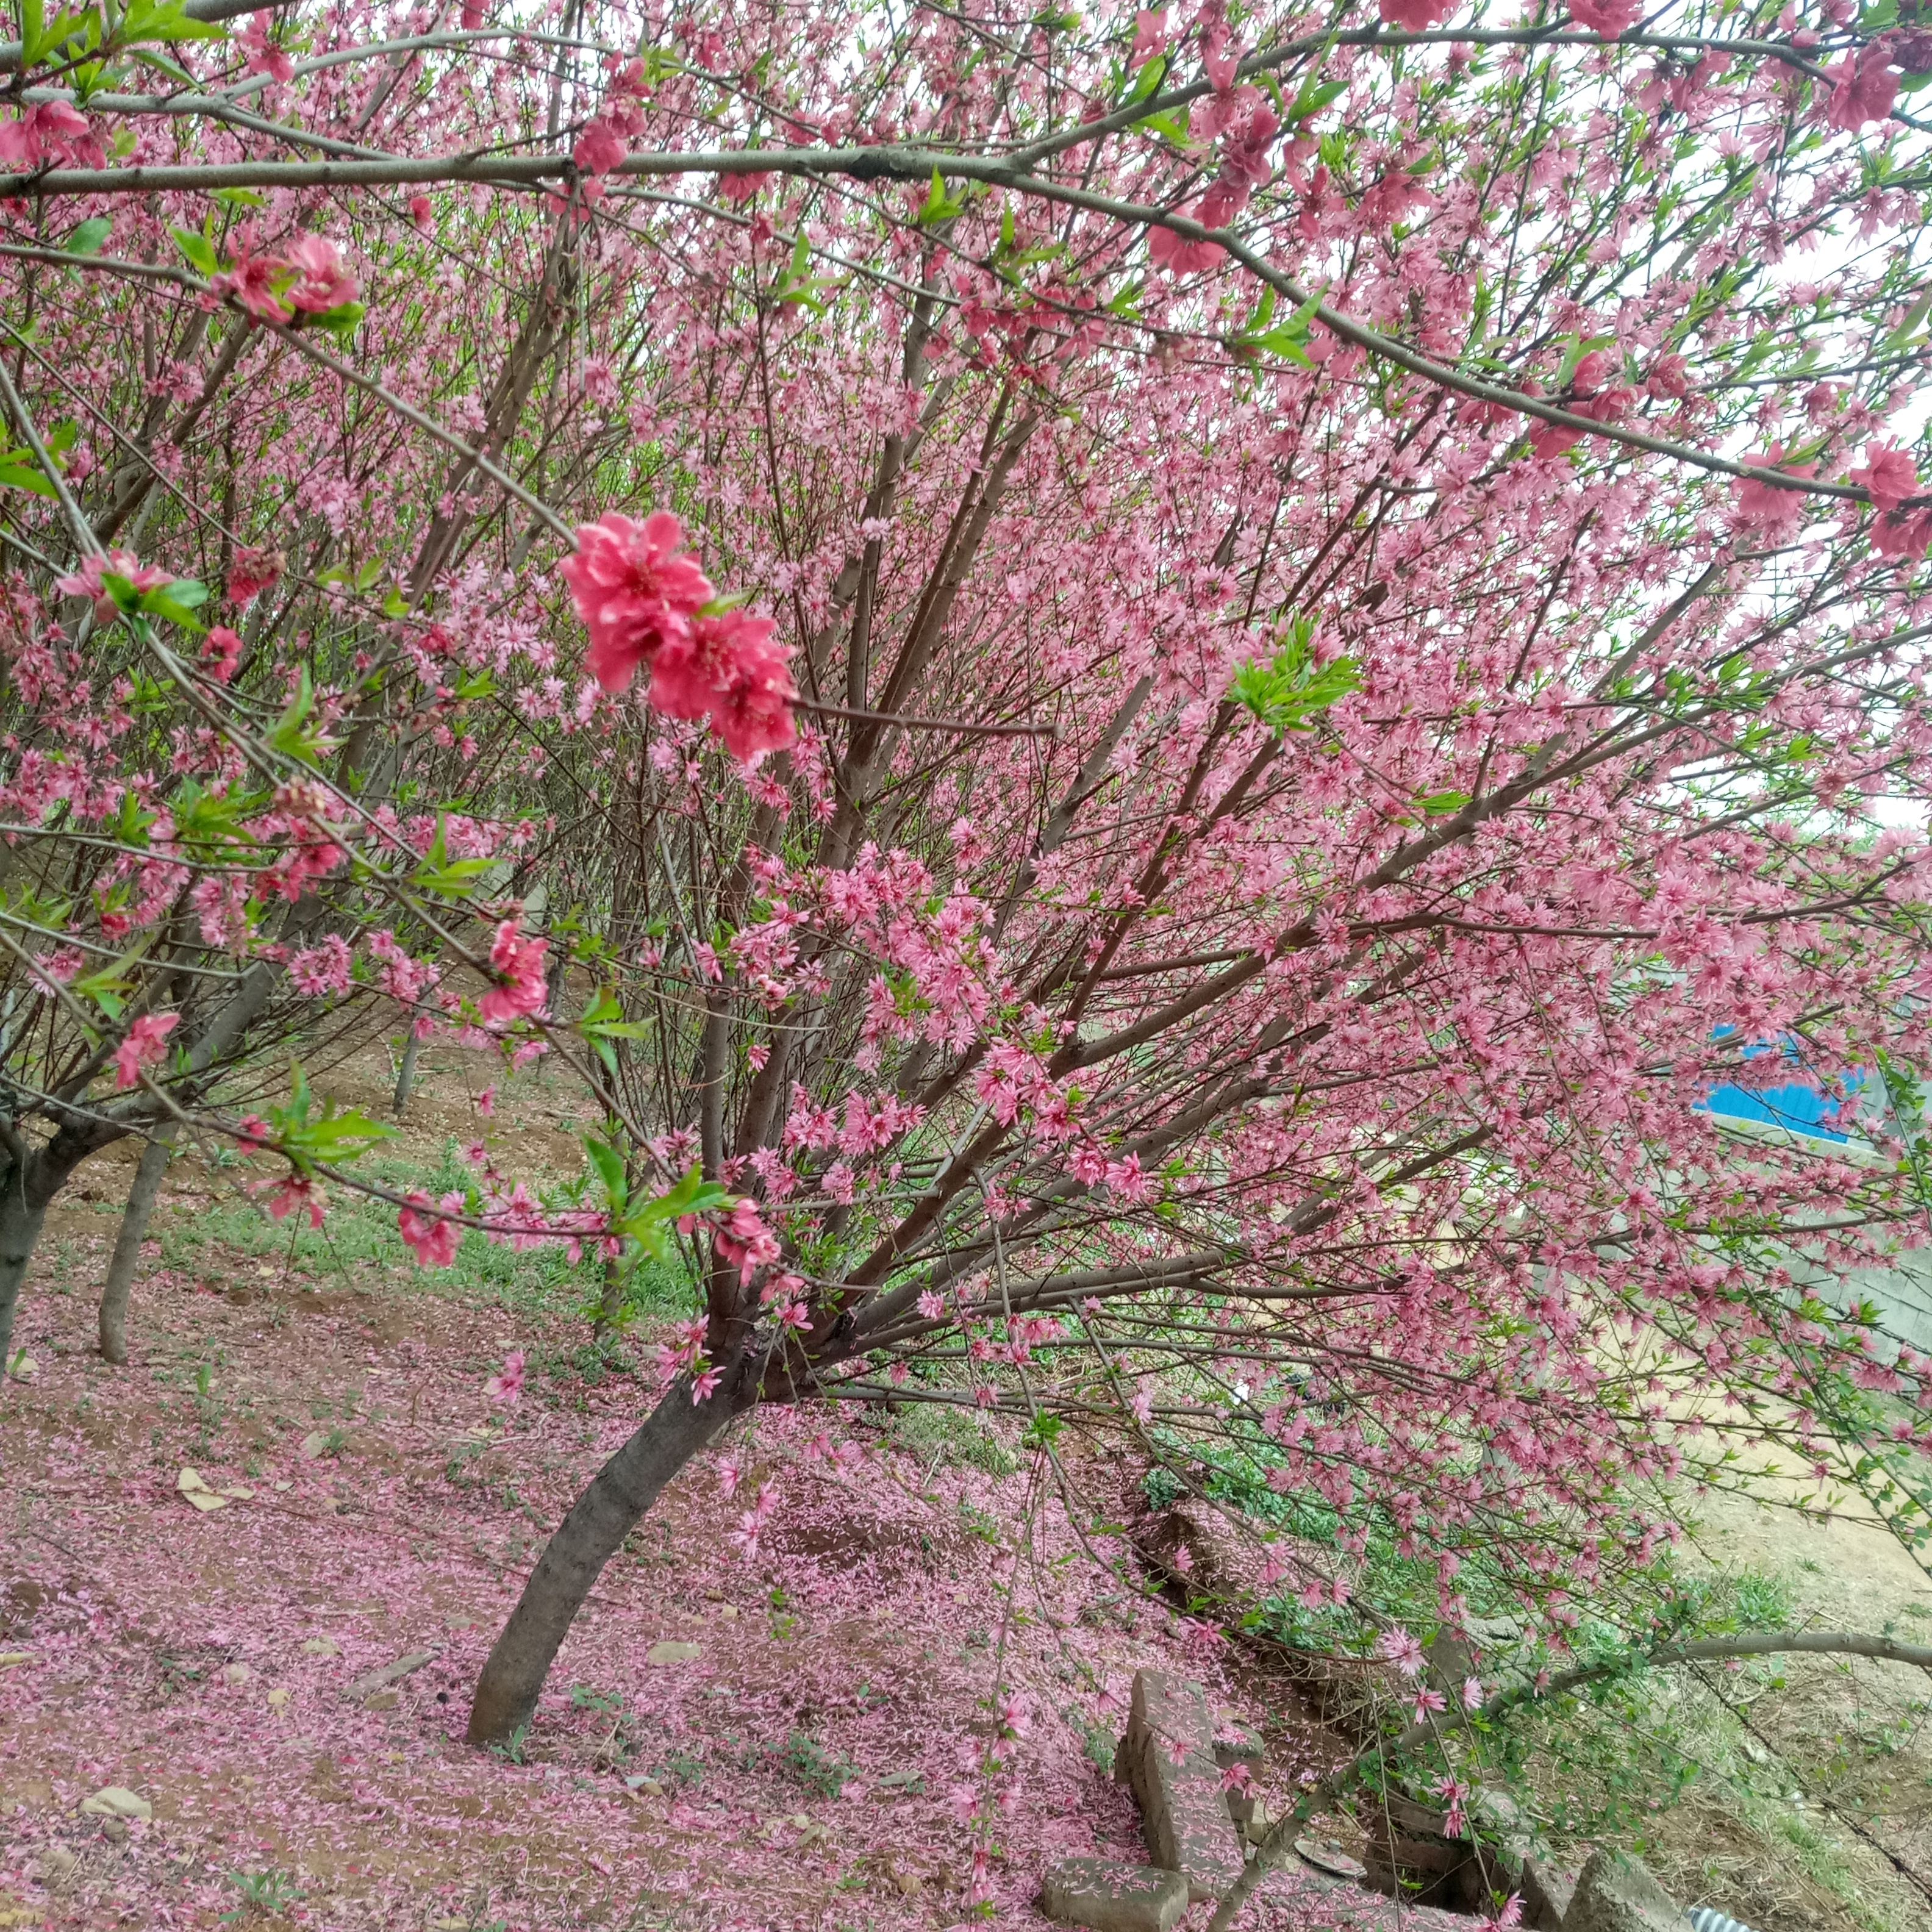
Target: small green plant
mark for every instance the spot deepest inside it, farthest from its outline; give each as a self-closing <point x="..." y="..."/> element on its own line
<point x="511" y="1751"/>
<point x="269" y="1893"/>
<point x="806" y="1760"/>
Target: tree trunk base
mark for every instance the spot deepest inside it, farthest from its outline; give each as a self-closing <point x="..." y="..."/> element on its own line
<point x="588" y="1537"/>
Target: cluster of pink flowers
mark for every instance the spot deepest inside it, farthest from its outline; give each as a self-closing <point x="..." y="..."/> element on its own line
<point x="645" y="602"/>
<point x="434" y="1238"/>
<point x="86" y="581"/>
<point x="521" y="962"/>
<point x="144" y="1044"/>
<point x="51" y="134"/>
<point x="1890" y="478"/>
<point x="308" y="277"/>
<point x="607" y="138"/>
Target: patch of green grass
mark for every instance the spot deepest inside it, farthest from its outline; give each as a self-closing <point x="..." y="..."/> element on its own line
<point x="946" y="1434"/>
<point x="360" y="1236"/>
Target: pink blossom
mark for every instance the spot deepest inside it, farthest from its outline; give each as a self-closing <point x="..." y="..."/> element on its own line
<point x="1150" y="35"/>
<point x="220" y="652"/>
<point x="635" y="588"/>
<point x="144" y="1045"/>
<point x="252" y="572"/>
<point x="1862" y="89"/>
<point x="297" y="1194"/>
<point x="51" y="134"/>
<point x="521" y="962"/>
<point x="1416" y="16"/>
<point x="1402" y="1649"/>
<point x="86" y="581"/>
<point x="599" y="148"/>
<point x="422" y="212"/>
<point x="1610" y="18"/>
<point x="434" y="1238"/>
<point x="322" y="283"/>
<point x="1887" y="477"/>
<point x="731" y="668"/>
<point x="263" y="55"/>
<point x="508" y="1385"/>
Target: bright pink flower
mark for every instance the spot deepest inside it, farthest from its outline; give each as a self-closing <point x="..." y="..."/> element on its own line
<point x="85" y="582"/>
<point x="1862" y="90"/>
<point x="321" y="282"/>
<point x="1179" y="257"/>
<point x="508" y="1386"/>
<point x="1416" y="16"/>
<point x="422" y="212"/>
<point x="251" y="279"/>
<point x="296" y="1194"/>
<point x="220" y="652"/>
<point x="635" y="586"/>
<point x="252" y="572"/>
<point x="1902" y="533"/>
<point x="434" y="1237"/>
<point x="1888" y="477"/>
<point x="599" y="148"/>
<point x="51" y="134"/>
<point x="1402" y="1650"/>
<point x="264" y="56"/>
<point x="1591" y="371"/>
<point x="521" y="962"/>
<point x="1150" y="34"/>
<point x="1610" y="18"/>
<point x="1764" y="507"/>
<point x="144" y="1045"/>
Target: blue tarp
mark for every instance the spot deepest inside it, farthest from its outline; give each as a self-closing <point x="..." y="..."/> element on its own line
<point x="1798" y="1108"/>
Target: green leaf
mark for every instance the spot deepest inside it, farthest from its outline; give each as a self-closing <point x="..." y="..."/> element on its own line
<point x="1286" y="692"/>
<point x="89" y="236"/>
<point x="199" y="249"/>
<point x="648" y="1224"/>
<point x="1147" y="81"/>
<point x="176" y="602"/>
<point x="166" y="22"/>
<point x="1440" y="804"/>
<point x="341" y="320"/>
<point x="1312" y="97"/>
<point x="239" y="197"/>
<point x="610" y="1166"/>
<point x="940" y="206"/>
<point x="14" y="476"/>
<point x="295" y="736"/>
<point x="1286" y="338"/>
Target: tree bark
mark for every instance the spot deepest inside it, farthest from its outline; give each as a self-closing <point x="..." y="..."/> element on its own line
<point x="618" y="1496"/>
<point x="154" y="1164"/>
<point x="405" y="1074"/>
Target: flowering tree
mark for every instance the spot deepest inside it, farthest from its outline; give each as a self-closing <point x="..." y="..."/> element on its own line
<point x="1230" y="659"/>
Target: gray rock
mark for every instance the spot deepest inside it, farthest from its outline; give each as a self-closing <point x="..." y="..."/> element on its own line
<point x="1546" y="1893"/>
<point x="1616" y="1893"/>
<point x="116" y="1801"/>
<point x="1113" y="1898"/>
<point x="370" y="1681"/>
<point x="1170" y="1754"/>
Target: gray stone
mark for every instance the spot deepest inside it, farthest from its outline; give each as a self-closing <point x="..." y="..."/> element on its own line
<point x="116" y="1801"/>
<point x="1546" y="1893"/>
<point x="670" y="1651"/>
<point x="370" y="1681"/>
<point x="1170" y="1754"/>
<point x="1616" y="1893"/>
<point x="1113" y="1898"/>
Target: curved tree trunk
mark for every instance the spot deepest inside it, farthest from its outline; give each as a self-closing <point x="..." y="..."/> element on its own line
<point x="598" y="1522"/>
<point x="154" y="1164"/>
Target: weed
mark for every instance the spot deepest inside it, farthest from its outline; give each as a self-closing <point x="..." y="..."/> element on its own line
<point x="802" y="1758"/>
<point x="269" y="1893"/>
<point x="511" y="1750"/>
